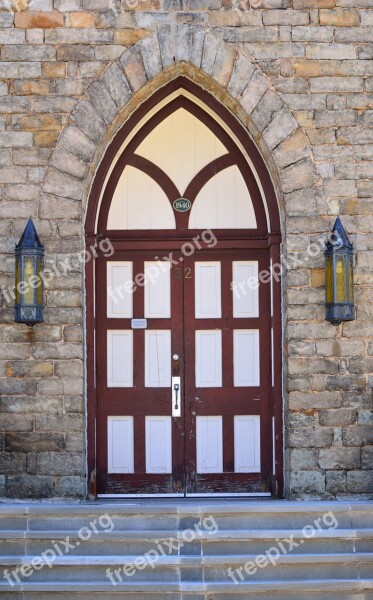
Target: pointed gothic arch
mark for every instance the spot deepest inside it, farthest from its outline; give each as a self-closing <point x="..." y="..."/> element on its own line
<point x="129" y="150"/>
<point x="127" y="87"/>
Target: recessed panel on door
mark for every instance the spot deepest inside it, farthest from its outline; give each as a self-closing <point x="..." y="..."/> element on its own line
<point x="119" y="289"/>
<point x="208" y="290"/>
<point x="209" y="439"/>
<point x="158" y="358"/>
<point x="120" y="445"/>
<point x="157" y="289"/>
<point x="247" y="443"/>
<point x="246" y="357"/>
<point x="208" y="358"/>
<point x="245" y="289"/>
<point x="119" y="358"/>
<point x="158" y="444"/>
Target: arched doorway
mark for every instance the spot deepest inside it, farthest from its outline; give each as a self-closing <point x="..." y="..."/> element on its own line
<point x="184" y="333"/>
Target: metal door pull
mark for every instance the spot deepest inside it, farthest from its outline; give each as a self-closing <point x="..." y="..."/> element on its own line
<point x="176" y="397"/>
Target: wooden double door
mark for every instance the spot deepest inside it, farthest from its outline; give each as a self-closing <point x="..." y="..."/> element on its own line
<point x="183" y="347"/>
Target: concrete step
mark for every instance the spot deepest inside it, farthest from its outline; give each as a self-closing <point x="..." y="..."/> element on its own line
<point x="210" y="550"/>
<point x="231" y="542"/>
<point x="313" y="589"/>
<point x="234" y="514"/>
<point x="121" y="542"/>
<point x="224" y="569"/>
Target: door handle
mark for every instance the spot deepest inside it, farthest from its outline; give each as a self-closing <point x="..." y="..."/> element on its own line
<point x="176" y="397"/>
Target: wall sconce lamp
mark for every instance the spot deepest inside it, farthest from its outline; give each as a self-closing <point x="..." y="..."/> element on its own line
<point x="29" y="257"/>
<point x="339" y="284"/>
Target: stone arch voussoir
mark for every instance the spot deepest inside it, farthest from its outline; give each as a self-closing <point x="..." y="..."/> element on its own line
<point x="226" y="72"/>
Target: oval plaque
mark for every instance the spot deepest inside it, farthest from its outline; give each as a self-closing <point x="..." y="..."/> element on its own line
<point x="182" y="204"/>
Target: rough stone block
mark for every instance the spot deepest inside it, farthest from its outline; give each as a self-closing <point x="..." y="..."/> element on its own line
<point x="78" y="52"/>
<point x="223" y="66"/>
<point x="81" y="19"/>
<point x="75" y="442"/>
<point x="347" y="382"/>
<point x="102" y="101"/>
<point x="66" y="162"/>
<point x="354" y="135"/>
<point x="294" y="148"/>
<point x="29" y="486"/>
<point x="17" y="70"/>
<point x="40" y="20"/>
<point x="337" y="417"/>
<point x="151" y="56"/>
<point x="358" y="435"/>
<point x="71" y="486"/>
<point x="11" y="36"/>
<point x="266" y="109"/>
<point x="29" y="52"/>
<point x="336" y="482"/>
<point x="327" y="51"/>
<point x="310" y="437"/>
<point x="354" y="34"/>
<point x="282" y="50"/>
<point x="6" y="19"/>
<point x="312" y="34"/>
<point x="12" y="462"/>
<point x="339" y="17"/>
<point x="60" y="463"/>
<point x="30" y="405"/>
<point x="298" y="176"/>
<point x="117" y="85"/>
<point x="242" y="72"/>
<point x="340" y="188"/>
<point x="210" y="50"/>
<point x="58" y="424"/>
<point x="282" y="125"/>
<point x="303" y="459"/>
<point x="336" y="84"/>
<point x="367" y="457"/>
<point x="78" y="36"/>
<point x="40" y="5"/>
<point x="286" y="17"/>
<point x="62" y="184"/>
<point x="57" y="104"/>
<point x="52" y="350"/>
<point x="134" y="69"/>
<point x="15" y="139"/>
<point x="360" y="482"/>
<point x="167" y="49"/>
<point x="34" y="441"/>
<point x="197" y="46"/>
<point x="128" y="37"/>
<point x="339" y="458"/>
<point x="16" y="423"/>
<point x="75" y="141"/>
<point x="307" y="482"/>
<point x="365" y="52"/>
<point x="89" y="121"/>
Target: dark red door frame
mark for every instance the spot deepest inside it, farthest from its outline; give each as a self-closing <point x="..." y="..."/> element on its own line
<point x="126" y="240"/>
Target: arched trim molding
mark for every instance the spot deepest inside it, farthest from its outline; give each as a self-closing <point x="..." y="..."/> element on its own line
<point x="102" y="198"/>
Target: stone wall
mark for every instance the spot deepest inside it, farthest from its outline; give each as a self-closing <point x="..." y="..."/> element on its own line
<point x="307" y="65"/>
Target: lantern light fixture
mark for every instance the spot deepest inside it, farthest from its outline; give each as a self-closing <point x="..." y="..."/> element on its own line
<point x="29" y="286"/>
<point x="339" y="284"/>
